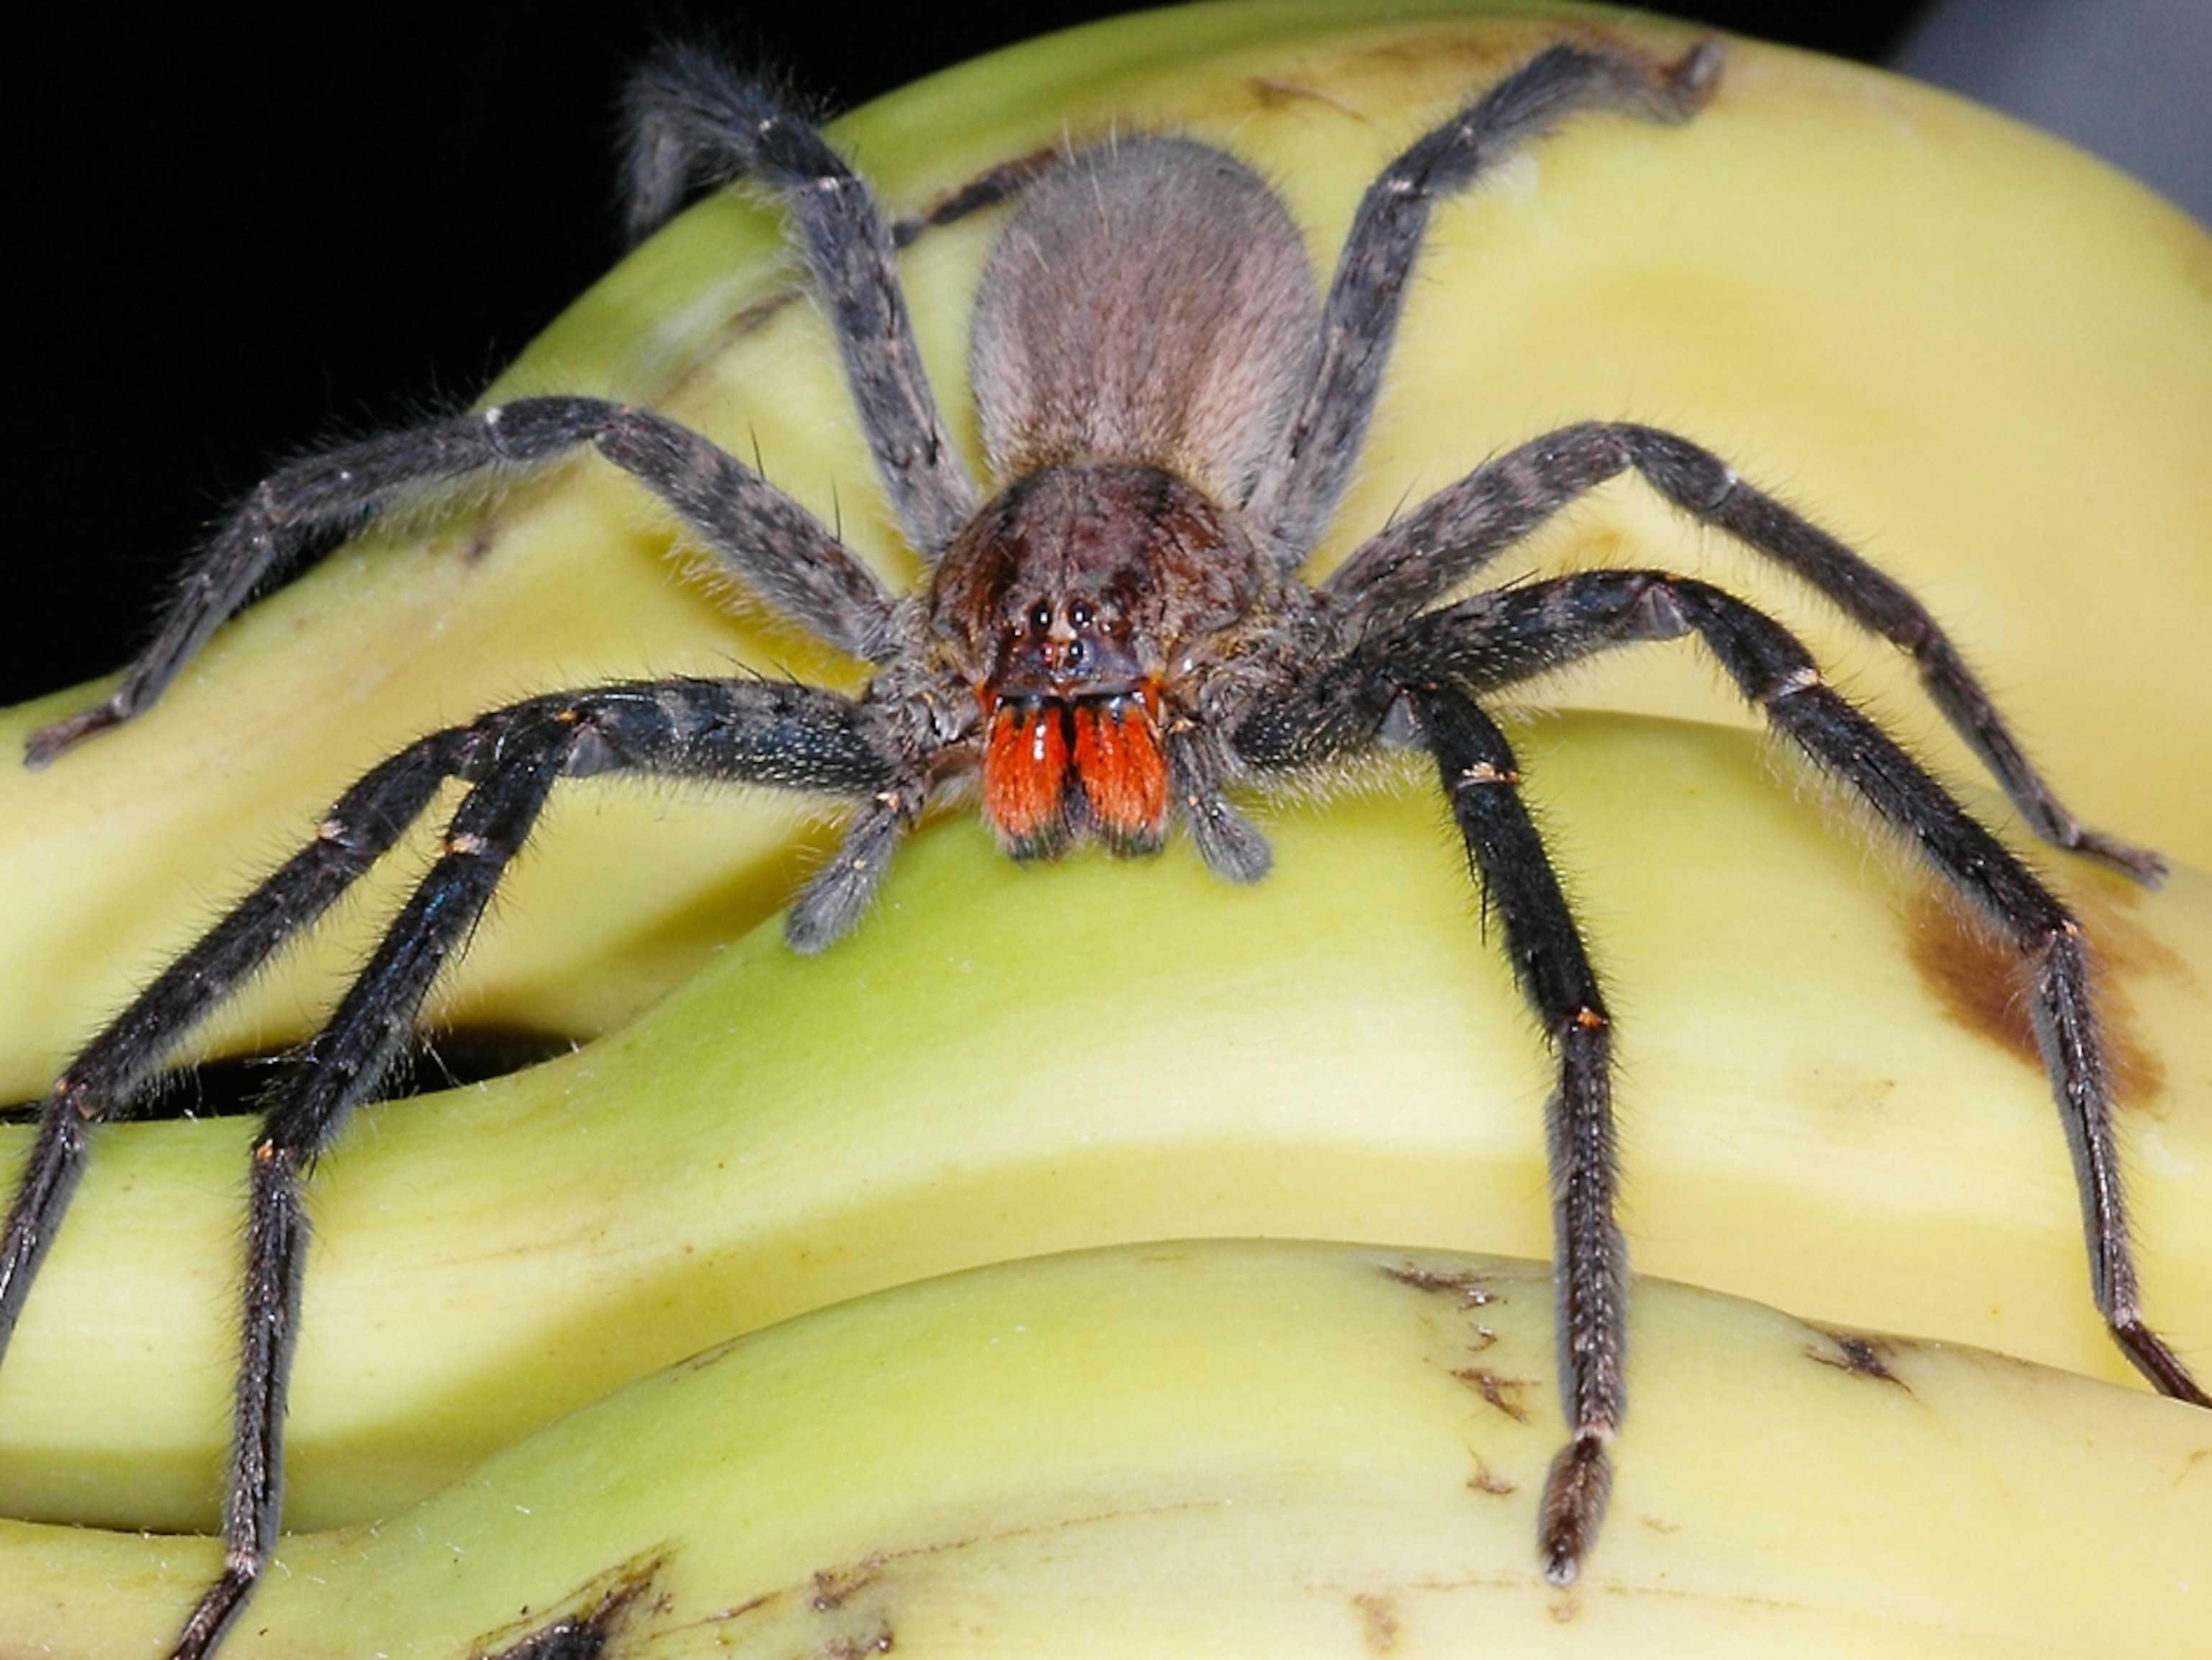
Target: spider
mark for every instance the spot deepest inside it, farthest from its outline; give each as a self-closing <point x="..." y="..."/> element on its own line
<point x="1109" y="640"/>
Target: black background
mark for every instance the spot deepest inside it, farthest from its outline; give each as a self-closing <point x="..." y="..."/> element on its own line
<point x="230" y="238"/>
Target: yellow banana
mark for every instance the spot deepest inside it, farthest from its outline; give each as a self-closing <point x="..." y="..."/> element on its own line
<point x="1204" y="1448"/>
<point x="1976" y="352"/>
<point x="1828" y="1103"/>
<point x="1979" y="355"/>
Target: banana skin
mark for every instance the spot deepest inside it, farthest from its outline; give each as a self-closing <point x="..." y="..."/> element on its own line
<point x="1197" y="1448"/>
<point x="1849" y="285"/>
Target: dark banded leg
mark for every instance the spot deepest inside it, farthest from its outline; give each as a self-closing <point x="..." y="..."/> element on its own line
<point x="695" y="121"/>
<point x="835" y="896"/>
<point x="1505" y="636"/>
<point x="1293" y="499"/>
<point x="1479" y="774"/>
<point x="773" y="545"/>
<point x="759" y="732"/>
<point x="372" y="1025"/>
<point x="1425" y="553"/>
<point x="105" y="1079"/>
<point x="1199" y="768"/>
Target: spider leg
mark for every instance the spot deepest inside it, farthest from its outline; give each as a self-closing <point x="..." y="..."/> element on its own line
<point x="1293" y="499"/>
<point x="694" y="120"/>
<point x="834" y="897"/>
<point x="785" y="735"/>
<point x="791" y="736"/>
<point x="1476" y="767"/>
<point x="361" y="826"/>
<point x="1500" y="637"/>
<point x="1453" y="534"/>
<point x="1198" y="767"/>
<point x="768" y="733"/>
<point x="777" y="548"/>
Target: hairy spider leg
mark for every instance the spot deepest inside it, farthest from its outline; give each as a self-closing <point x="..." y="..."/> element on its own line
<point x="105" y="1079"/>
<point x="775" y="547"/>
<point x="1427" y="553"/>
<point x="1509" y="634"/>
<point x="1329" y="681"/>
<point x="695" y="121"/>
<point x="1440" y="660"/>
<point x="1293" y="500"/>
<point x="1201" y="763"/>
<point x="1482" y="781"/>
<point x="751" y="731"/>
<point x="801" y="738"/>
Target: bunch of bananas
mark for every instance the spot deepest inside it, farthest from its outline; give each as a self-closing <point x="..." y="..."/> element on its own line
<point x="1981" y="356"/>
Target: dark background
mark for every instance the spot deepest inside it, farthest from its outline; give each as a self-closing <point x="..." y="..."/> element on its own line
<point x="229" y="240"/>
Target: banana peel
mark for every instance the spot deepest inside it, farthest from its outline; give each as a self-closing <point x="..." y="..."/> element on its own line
<point x="1977" y="353"/>
<point x="1200" y="1448"/>
<point x="1829" y="1102"/>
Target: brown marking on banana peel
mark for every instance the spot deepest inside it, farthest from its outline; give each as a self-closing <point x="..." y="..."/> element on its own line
<point x="1272" y="92"/>
<point x="1484" y="1480"/>
<point x="832" y="1586"/>
<point x="595" y="1614"/>
<point x="1977" y="979"/>
<point x="1462" y="1283"/>
<point x="1503" y="1393"/>
<point x="1492" y="48"/>
<point x="1860" y="1356"/>
<point x="1378" y="1621"/>
<point x="843" y="1583"/>
<point x="879" y="1639"/>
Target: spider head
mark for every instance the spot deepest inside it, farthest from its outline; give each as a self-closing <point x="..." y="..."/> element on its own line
<point x="1070" y="607"/>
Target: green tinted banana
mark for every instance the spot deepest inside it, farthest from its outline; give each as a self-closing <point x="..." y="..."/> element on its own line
<point x="1852" y="286"/>
<point x="1828" y="1098"/>
<point x="1208" y="1448"/>
<point x="1844" y="283"/>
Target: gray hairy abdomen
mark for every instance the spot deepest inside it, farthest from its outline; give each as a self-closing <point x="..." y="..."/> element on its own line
<point x="1151" y="300"/>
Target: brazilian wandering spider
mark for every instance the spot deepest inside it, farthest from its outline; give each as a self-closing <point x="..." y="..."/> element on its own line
<point x="1108" y="645"/>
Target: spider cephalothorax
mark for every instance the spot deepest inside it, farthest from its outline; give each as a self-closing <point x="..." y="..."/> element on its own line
<point x="1116" y="638"/>
<point x="1085" y="607"/>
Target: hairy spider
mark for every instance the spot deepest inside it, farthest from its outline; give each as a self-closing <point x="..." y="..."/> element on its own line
<point x="1104" y="646"/>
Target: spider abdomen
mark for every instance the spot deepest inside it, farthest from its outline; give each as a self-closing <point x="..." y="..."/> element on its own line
<point x="1150" y="301"/>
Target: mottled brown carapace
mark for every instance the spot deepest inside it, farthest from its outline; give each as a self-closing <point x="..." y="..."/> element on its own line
<point x="1085" y="606"/>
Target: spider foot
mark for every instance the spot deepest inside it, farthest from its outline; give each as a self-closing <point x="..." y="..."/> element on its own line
<point x="1574" y="1493"/>
<point x="2154" y="1360"/>
<point x="218" y="1608"/>
<point x="2145" y="864"/>
<point x="66" y="733"/>
<point x="1693" y="74"/>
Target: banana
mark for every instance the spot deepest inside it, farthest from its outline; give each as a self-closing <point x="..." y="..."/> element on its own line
<point x="1978" y="353"/>
<point x="1848" y="284"/>
<point x="1827" y="1098"/>
<point x="1202" y="1448"/>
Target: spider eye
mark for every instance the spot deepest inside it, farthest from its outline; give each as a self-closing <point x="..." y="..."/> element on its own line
<point x="1079" y="615"/>
<point x="1040" y="617"/>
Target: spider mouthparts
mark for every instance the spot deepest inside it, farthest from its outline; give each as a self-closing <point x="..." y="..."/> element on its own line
<point x="1055" y="770"/>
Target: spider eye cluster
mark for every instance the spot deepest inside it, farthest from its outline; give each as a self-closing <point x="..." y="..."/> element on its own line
<point x="1064" y="646"/>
